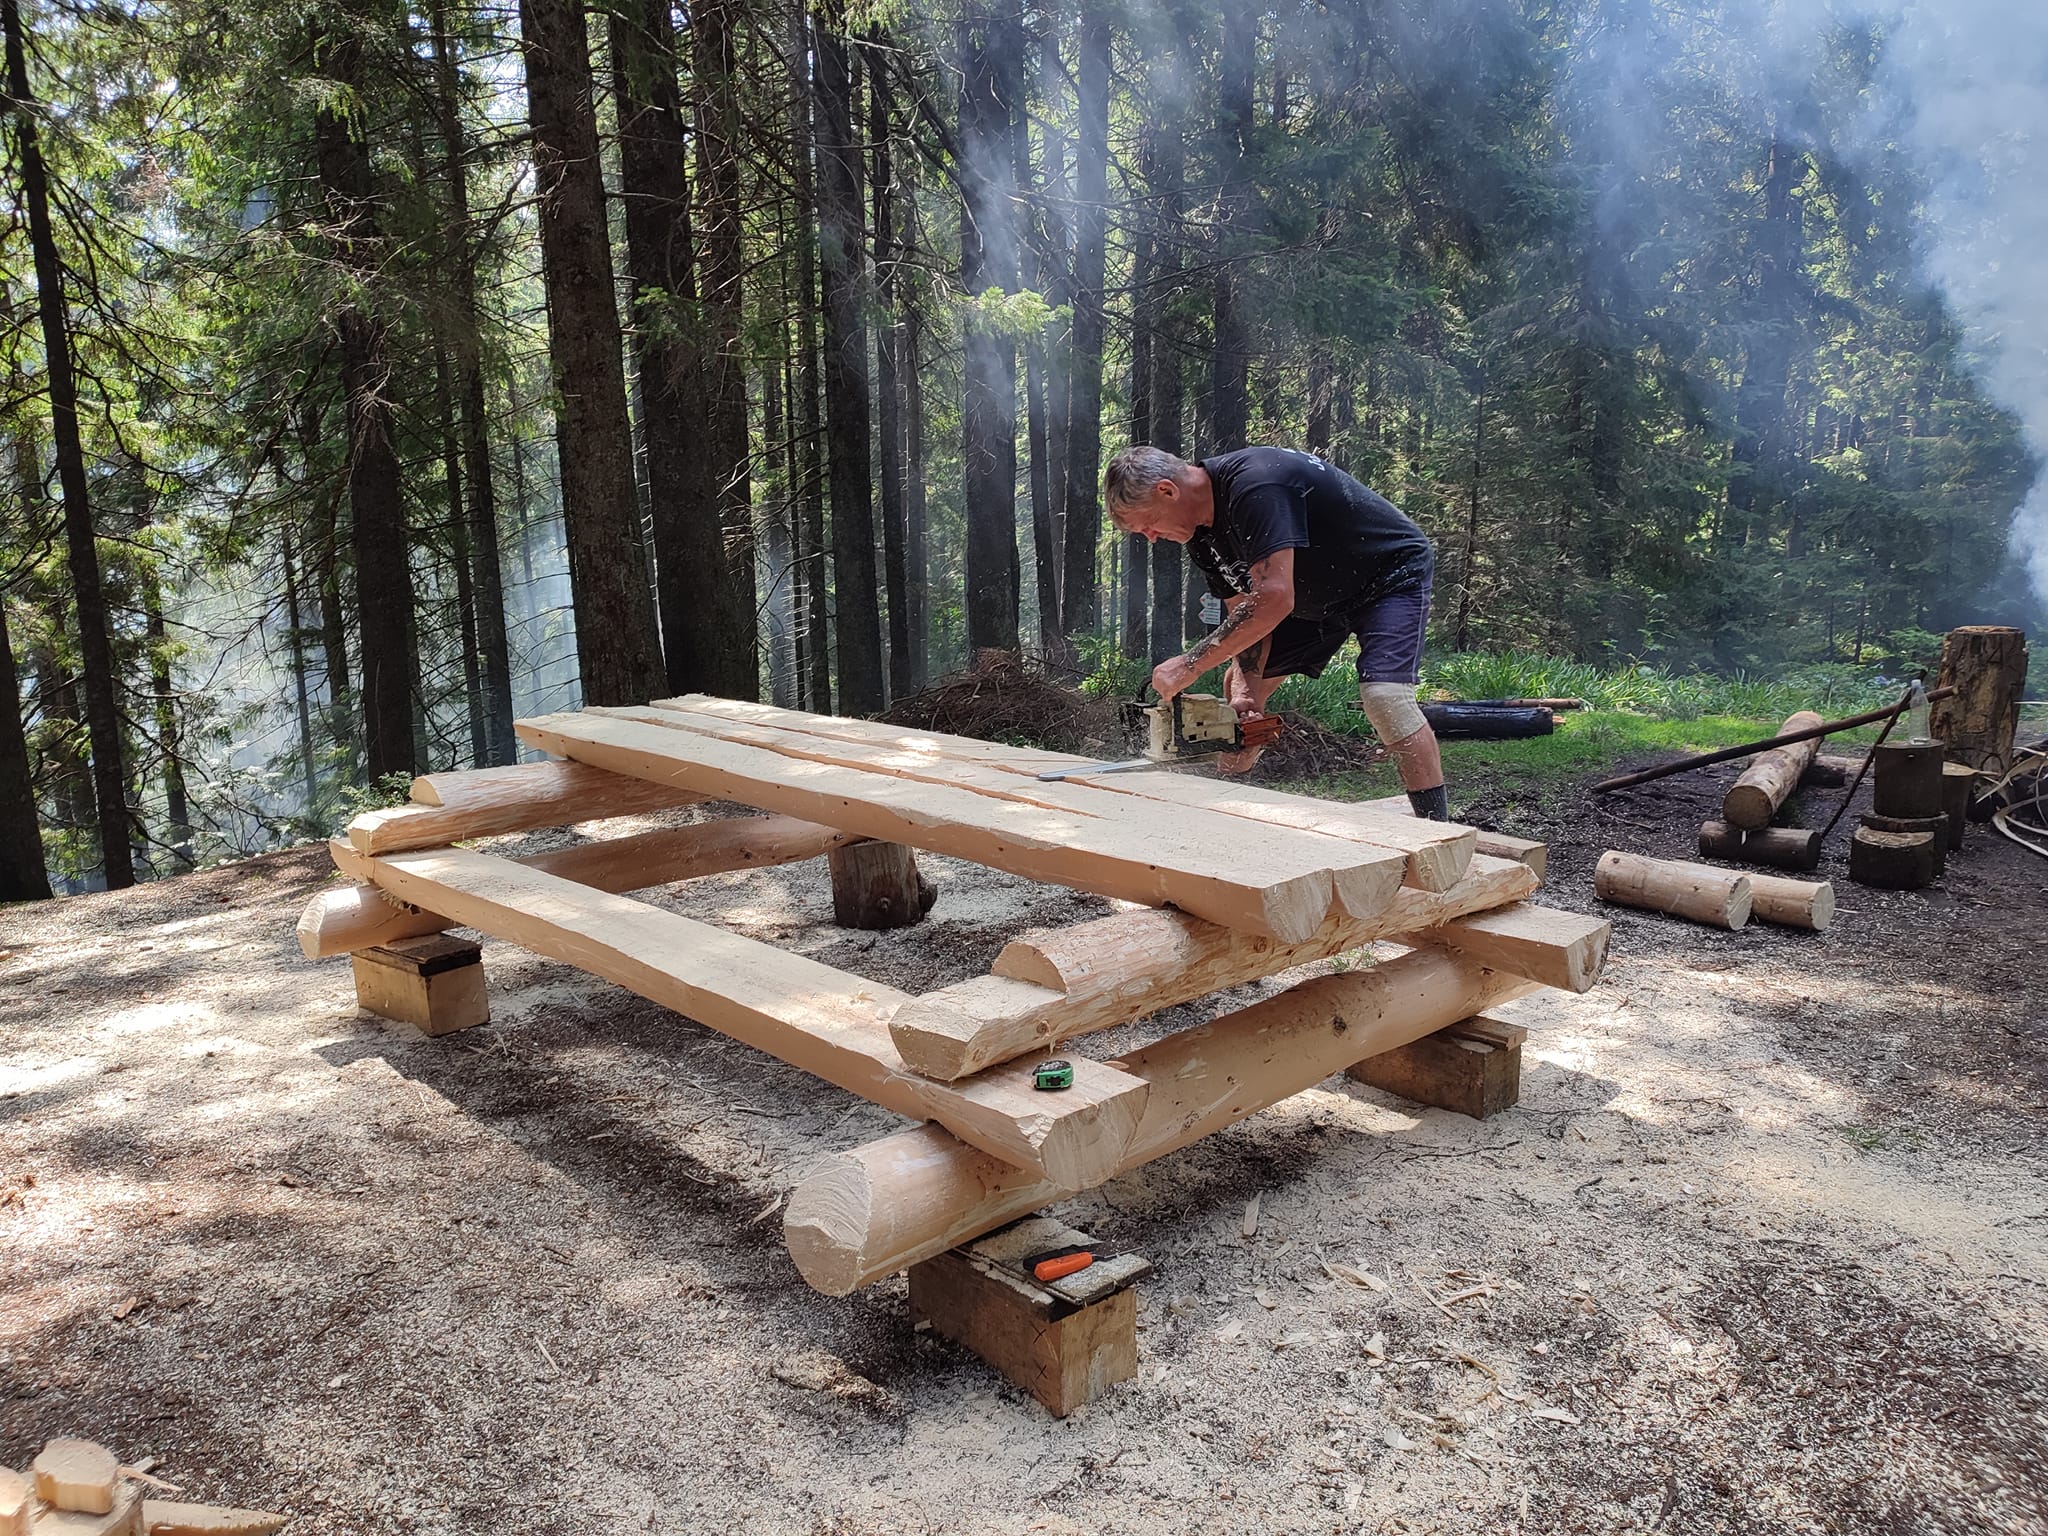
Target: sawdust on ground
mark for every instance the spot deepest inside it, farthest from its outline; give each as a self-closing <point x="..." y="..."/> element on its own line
<point x="1763" y="1249"/>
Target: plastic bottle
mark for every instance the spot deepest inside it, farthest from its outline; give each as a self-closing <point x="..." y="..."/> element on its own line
<point x="1917" y="727"/>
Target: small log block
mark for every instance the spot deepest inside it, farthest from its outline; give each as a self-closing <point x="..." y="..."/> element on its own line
<point x="1767" y="782"/>
<point x="1828" y="771"/>
<point x="1936" y="827"/>
<point x="435" y="984"/>
<point x="1473" y="1068"/>
<point x="1957" y="780"/>
<point x="1906" y="779"/>
<point x="76" y="1475"/>
<point x="1560" y="949"/>
<point x="1894" y="861"/>
<point x="162" y="1517"/>
<point x="1718" y="897"/>
<point x="1794" y="903"/>
<point x="17" y="1494"/>
<point x="1987" y="666"/>
<point x="1779" y="847"/>
<point x="1066" y="1343"/>
<point x="877" y="885"/>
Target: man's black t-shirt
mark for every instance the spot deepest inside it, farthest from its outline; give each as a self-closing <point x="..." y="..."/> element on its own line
<point x="1359" y="544"/>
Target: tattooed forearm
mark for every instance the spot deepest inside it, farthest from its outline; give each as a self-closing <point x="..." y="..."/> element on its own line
<point x="1233" y="621"/>
<point x="1253" y="657"/>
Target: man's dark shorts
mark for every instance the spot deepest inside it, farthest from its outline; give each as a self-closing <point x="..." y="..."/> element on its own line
<point x="1389" y="627"/>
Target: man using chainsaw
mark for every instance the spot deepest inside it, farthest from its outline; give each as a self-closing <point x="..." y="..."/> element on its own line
<point x="1303" y="556"/>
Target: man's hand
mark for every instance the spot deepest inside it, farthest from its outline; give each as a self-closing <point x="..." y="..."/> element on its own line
<point x="1237" y="688"/>
<point x="1172" y="676"/>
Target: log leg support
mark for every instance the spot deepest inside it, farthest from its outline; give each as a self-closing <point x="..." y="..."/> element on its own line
<point x="435" y="984"/>
<point x="877" y="885"/>
<point x="1474" y="1068"/>
<point x="1066" y="1342"/>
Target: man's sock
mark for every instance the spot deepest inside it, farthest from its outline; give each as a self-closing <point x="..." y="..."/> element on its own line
<point x="1431" y="804"/>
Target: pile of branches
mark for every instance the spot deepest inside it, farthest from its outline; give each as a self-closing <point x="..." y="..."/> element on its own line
<point x="1000" y="698"/>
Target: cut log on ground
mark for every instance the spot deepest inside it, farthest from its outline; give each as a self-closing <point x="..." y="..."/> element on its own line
<point x="1827" y="771"/>
<point x="349" y="918"/>
<point x="823" y="1020"/>
<point x="877" y="886"/>
<point x="492" y="801"/>
<point x="1986" y="665"/>
<point x="1894" y="861"/>
<point x="1779" y="847"/>
<point x="1487" y="722"/>
<point x="1438" y="852"/>
<point x="1059" y="983"/>
<point x="1792" y="903"/>
<point x="1269" y="880"/>
<point x="882" y="1207"/>
<point x="1718" y="897"/>
<point x="1767" y="783"/>
<point x="1936" y="827"/>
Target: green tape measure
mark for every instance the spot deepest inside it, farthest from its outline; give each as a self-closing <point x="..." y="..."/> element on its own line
<point x="1051" y="1076"/>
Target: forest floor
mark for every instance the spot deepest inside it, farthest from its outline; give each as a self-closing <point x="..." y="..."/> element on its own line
<point x="1764" y="1248"/>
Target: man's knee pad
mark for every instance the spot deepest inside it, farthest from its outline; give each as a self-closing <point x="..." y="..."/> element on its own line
<point x="1392" y="709"/>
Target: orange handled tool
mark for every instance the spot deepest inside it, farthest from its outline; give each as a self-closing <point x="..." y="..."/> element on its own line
<point x="1061" y="1265"/>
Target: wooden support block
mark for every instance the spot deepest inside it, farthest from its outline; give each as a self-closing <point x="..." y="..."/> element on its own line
<point x="877" y="885"/>
<point x="124" y="1518"/>
<point x="435" y="984"/>
<point x="1066" y="1343"/>
<point x="1956" y="782"/>
<point x="1473" y="1068"/>
<point x="76" y="1475"/>
<point x="17" y="1498"/>
<point x="1893" y="861"/>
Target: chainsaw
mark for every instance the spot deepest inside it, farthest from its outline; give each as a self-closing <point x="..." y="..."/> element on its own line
<point x="1183" y="730"/>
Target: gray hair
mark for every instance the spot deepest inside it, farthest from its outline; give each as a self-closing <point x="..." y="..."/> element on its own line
<point x="1132" y="474"/>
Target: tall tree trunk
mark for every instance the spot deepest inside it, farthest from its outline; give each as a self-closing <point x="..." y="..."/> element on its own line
<point x="164" y="711"/>
<point x="706" y="625"/>
<point x="889" y="370"/>
<point x="916" y="554"/>
<point x="855" y="583"/>
<point x="1167" y="394"/>
<point x="102" y="680"/>
<point x="810" y="477"/>
<point x="1080" y="604"/>
<point x="324" y="561"/>
<point x="720" y="282"/>
<point x="1469" y="568"/>
<point x="309" y="762"/>
<point x="616" y="639"/>
<point x="991" y="51"/>
<point x="459" y="557"/>
<point x="1137" y="554"/>
<point x="1322" y="388"/>
<point x="23" y="876"/>
<point x="778" y="532"/>
<point x="1758" y="480"/>
<point x="384" y="590"/>
<point x="1230" y="359"/>
<point x="1041" y="275"/>
<point x="494" y="653"/>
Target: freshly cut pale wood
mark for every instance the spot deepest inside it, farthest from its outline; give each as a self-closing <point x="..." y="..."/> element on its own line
<point x="810" y="1015"/>
<point x="161" y="1517"/>
<point x="491" y="801"/>
<point x="1438" y="852"/>
<point x="348" y="918"/>
<point x="1766" y="783"/>
<point x="76" y="1474"/>
<point x="124" y="1519"/>
<point x="1718" y="897"/>
<point x="881" y="1207"/>
<point x="1565" y="950"/>
<point x="1495" y="845"/>
<point x="1279" y="883"/>
<point x="17" y="1494"/>
<point x="1794" y="903"/>
<point x="1054" y="985"/>
<point x="1779" y="847"/>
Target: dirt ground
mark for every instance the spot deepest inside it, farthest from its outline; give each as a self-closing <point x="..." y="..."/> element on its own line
<point x="1763" y="1249"/>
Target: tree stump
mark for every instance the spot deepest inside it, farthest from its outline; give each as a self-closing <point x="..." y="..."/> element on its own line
<point x="1936" y="827"/>
<point x="1894" y="861"/>
<point x="1906" y="779"/>
<point x="877" y="885"/>
<point x="1987" y="666"/>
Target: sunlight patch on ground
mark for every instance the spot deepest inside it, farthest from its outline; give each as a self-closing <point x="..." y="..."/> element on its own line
<point x="18" y="1078"/>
